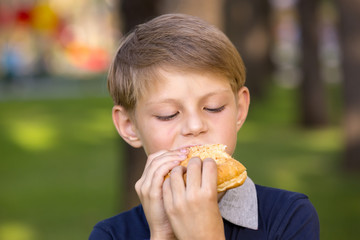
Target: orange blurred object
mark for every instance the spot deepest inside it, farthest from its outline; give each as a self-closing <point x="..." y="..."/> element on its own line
<point x="87" y="57"/>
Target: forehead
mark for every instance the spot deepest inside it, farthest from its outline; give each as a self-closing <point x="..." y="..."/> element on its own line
<point x="173" y="83"/>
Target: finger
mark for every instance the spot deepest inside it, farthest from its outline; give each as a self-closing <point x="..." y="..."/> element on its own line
<point x="193" y="178"/>
<point x="209" y="175"/>
<point x="161" y="172"/>
<point x="160" y="165"/>
<point x="145" y="173"/>
<point x="177" y="183"/>
<point x="155" y="157"/>
<point x="167" y="195"/>
<point x="152" y="183"/>
<point x="160" y="160"/>
<point x="151" y="157"/>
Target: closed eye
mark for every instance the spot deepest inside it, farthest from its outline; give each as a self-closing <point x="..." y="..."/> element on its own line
<point x="215" y="110"/>
<point x="168" y="117"/>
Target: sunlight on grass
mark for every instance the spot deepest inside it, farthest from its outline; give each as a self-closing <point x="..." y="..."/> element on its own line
<point x="328" y="139"/>
<point x="288" y="179"/>
<point x="100" y="123"/>
<point x="16" y="231"/>
<point x="33" y="136"/>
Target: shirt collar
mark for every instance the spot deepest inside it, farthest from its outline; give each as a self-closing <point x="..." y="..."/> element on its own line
<point x="239" y="205"/>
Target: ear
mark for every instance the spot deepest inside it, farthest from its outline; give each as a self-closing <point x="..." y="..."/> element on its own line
<point x="125" y="126"/>
<point x="243" y="103"/>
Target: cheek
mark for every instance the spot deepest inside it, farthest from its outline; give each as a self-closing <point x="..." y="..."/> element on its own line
<point x="158" y="137"/>
<point x="229" y="138"/>
<point x="227" y="132"/>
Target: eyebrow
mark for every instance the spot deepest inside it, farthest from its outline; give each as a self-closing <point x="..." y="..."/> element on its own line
<point x="216" y="93"/>
<point x="172" y="100"/>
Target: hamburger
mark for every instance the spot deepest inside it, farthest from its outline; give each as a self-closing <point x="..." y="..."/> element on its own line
<point x="230" y="172"/>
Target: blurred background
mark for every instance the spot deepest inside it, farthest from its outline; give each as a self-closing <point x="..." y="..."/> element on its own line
<point x="63" y="167"/>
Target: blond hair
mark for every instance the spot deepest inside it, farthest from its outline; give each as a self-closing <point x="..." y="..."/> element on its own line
<point x="179" y="41"/>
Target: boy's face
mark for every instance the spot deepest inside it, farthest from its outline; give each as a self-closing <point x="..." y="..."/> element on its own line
<point x="186" y="109"/>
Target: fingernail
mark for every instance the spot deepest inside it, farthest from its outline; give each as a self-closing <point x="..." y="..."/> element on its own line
<point x="184" y="150"/>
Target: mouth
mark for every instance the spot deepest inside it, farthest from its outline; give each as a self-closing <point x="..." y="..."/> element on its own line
<point x="188" y="146"/>
<point x="192" y="145"/>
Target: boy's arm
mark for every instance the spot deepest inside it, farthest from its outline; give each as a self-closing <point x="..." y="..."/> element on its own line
<point x="193" y="209"/>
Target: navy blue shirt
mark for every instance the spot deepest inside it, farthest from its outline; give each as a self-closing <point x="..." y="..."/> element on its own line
<point x="281" y="215"/>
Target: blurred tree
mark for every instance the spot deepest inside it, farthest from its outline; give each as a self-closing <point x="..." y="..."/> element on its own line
<point x="313" y="99"/>
<point x="134" y="12"/>
<point x="247" y="24"/>
<point x="349" y="32"/>
<point x="209" y="10"/>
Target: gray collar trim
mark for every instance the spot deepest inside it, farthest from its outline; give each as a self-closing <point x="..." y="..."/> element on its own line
<point x="239" y="205"/>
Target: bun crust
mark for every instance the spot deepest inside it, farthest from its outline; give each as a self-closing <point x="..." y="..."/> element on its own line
<point x="231" y="173"/>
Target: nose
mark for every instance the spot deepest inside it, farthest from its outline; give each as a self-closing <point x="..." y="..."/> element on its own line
<point x="194" y="124"/>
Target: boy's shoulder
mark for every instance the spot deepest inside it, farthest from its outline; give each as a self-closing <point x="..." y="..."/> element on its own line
<point x="277" y="214"/>
<point x="285" y="213"/>
<point x="130" y="224"/>
<point x="276" y="194"/>
<point x="276" y="203"/>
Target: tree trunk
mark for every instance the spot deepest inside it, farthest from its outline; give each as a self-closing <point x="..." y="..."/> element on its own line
<point x="134" y="12"/>
<point x="135" y="159"/>
<point x="313" y="96"/>
<point x="209" y="10"/>
<point x="247" y="24"/>
<point x="349" y="32"/>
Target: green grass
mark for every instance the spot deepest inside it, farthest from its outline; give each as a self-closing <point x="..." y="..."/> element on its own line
<point x="60" y="165"/>
<point x="58" y="168"/>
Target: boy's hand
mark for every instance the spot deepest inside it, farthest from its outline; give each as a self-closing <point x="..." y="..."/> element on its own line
<point x="193" y="209"/>
<point x="149" y="190"/>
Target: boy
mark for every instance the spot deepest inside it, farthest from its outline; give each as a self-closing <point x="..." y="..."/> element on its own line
<point x="177" y="81"/>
